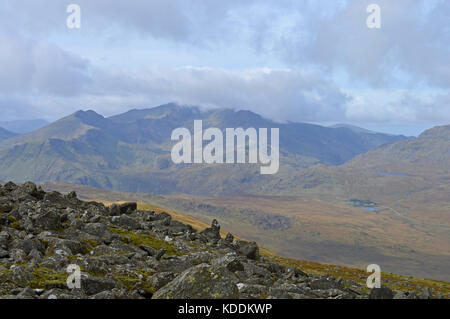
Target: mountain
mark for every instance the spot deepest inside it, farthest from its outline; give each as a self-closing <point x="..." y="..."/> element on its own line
<point x="429" y="153"/>
<point x="23" y="126"/>
<point x="131" y="151"/>
<point x="353" y="128"/>
<point x="5" y="134"/>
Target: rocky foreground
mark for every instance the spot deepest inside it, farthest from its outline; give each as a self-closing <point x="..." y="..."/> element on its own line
<point x="123" y="252"/>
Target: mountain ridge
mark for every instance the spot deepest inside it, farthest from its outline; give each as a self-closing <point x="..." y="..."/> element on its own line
<point x="116" y="152"/>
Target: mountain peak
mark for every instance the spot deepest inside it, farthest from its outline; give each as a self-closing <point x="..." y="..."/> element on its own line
<point x="161" y="111"/>
<point x="89" y="117"/>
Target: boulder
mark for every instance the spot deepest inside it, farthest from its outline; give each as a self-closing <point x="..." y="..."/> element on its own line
<point x="249" y="250"/>
<point x="381" y="293"/>
<point x="201" y="282"/>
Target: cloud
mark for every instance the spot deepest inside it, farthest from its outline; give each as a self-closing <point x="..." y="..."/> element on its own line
<point x="316" y="55"/>
<point x="29" y="66"/>
<point x="411" y="48"/>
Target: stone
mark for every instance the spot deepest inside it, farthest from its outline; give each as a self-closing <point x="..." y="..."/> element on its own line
<point x="249" y="250"/>
<point x="381" y="293"/>
<point x="201" y="282"/>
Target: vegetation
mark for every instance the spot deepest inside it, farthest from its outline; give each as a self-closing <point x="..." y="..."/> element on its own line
<point x="139" y="239"/>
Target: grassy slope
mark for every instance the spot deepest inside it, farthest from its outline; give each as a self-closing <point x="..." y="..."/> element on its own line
<point x="322" y="230"/>
<point x="395" y="282"/>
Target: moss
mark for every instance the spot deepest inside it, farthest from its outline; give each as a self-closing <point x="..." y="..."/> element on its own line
<point x="90" y="244"/>
<point x="14" y="223"/>
<point x="136" y="281"/>
<point x="46" y="278"/>
<point x="193" y="245"/>
<point x="146" y="240"/>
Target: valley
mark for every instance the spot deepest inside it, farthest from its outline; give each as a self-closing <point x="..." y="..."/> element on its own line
<point x="342" y="195"/>
<point x="320" y="230"/>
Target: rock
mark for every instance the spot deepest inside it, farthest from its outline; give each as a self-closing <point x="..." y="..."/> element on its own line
<point x="381" y="293"/>
<point x="32" y="190"/>
<point x="426" y="294"/>
<point x="49" y="220"/>
<point x="127" y="208"/>
<point x="149" y="250"/>
<point x="27" y="293"/>
<point x="114" y="210"/>
<point x="72" y="195"/>
<point x="201" y="282"/>
<point x="35" y="255"/>
<point x="229" y="238"/>
<point x="212" y="233"/>
<point x="28" y="245"/>
<point x="18" y="255"/>
<point x="126" y="221"/>
<point x="93" y="285"/>
<point x="161" y="279"/>
<point x="3" y="253"/>
<point x="323" y="284"/>
<point x="249" y="250"/>
<point x="160" y="254"/>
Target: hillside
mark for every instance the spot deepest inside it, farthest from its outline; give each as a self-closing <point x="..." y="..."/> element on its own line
<point x="5" y="134"/>
<point x="121" y="152"/>
<point x="125" y="252"/>
<point x="321" y="230"/>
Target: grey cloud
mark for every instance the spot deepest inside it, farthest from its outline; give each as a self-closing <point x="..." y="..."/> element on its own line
<point x="278" y="94"/>
<point x="412" y="47"/>
<point x="30" y="66"/>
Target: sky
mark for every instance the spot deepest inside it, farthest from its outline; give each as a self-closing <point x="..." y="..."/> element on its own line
<point x="289" y="60"/>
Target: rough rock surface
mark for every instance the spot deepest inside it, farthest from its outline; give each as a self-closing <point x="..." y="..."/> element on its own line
<point x="123" y="253"/>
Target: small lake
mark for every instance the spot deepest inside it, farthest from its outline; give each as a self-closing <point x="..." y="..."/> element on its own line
<point x="392" y="174"/>
<point x="370" y="209"/>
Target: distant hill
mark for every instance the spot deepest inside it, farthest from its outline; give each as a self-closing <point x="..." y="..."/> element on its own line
<point x="23" y="126"/>
<point x="5" y="134"/>
<point x="131" y="151"/>
<point x="353" y="128"/>
<point x="430" y="152"/>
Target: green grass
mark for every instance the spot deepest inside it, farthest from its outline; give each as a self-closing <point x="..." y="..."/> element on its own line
<point x="46" y="278"/>
<point x="138" y="239"/>
<point x="132" y="281"/>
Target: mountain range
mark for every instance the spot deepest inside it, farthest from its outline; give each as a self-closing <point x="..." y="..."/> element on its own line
<point x="131" y="151"/>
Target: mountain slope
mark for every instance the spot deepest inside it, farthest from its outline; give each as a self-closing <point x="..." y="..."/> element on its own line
<point x="5" y="134"/>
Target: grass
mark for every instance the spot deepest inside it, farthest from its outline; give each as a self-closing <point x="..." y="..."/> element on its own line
<point x="46" y="278"/>
<point x="90" y="244"/>
<point x="14" y="223"/>
<point x="136" y="279"/>
<point x="393" y="281"/>
<point x="139" y="239"/>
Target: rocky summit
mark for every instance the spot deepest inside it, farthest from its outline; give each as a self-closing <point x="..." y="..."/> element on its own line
<point x="123" y="252"/>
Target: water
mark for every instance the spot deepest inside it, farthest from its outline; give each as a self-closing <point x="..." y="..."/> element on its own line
<point x="370" y="209"/>
<point x="392" y="174"/>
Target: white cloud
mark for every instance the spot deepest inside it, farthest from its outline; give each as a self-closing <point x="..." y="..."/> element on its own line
<point x="312" y="40"/>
